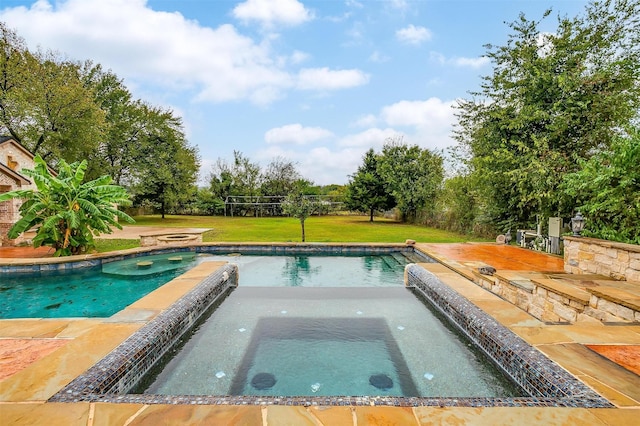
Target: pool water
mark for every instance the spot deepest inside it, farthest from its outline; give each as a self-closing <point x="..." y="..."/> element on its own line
<point x="317" y="271"/>
<point x="103" y="291"/>
<point x="87" y="292"/>
<point x="281" y="348"/>
<point x="326" y="341"/>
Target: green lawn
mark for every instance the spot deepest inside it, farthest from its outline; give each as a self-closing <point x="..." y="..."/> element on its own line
<point x="318" y="229"/>
<point x="107" y="245"/>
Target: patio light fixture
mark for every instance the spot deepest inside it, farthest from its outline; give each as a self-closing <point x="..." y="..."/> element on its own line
<point x="577" y="224"/>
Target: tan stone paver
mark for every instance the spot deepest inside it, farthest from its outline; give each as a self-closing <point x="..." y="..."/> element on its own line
<point x="189" y="415"/>
<point x="114" y="414"/>
<point x="334" y="415"/>
<point x="41" y="414"/>
<point x="380" y="416"/>
<point x="507" y="416"/>
<point x="617" y="417"/>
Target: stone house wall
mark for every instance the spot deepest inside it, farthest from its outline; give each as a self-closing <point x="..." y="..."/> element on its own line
<point x="593" y="256"/>
<point x="15" y="157"/>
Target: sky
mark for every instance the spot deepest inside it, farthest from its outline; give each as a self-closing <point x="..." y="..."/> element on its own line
<point x="315" y="82"/>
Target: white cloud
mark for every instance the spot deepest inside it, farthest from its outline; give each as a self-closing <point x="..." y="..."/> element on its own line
<point x="426" y="123"/>
<point x="378" y="57"/>
<point x="326" y="79"/>
<point x="370" y="138"/>
<point x="296" y="134"/>
<point x="322" y="165"/>
<point x="270" y="13"/>
<point x="413" y="35"/>
<point x="325" y="164"/>
<point x="399" y="4"/>
<point x="459" y="61"/>
<point x="430" y="113"/>
<point x="368" y="120"/>
<point x="298" y="57"/>
<point x="471" y="62"/>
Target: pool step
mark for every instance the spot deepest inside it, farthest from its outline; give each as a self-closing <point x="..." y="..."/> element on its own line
<point x="400" y="258"/>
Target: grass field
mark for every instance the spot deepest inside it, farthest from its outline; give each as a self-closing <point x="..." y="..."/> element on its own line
<point x="317" y="228"/>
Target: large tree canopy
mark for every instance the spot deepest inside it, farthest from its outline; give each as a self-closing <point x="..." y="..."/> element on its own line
<point x="553" y="99"/>
<point x="44" y="104"/>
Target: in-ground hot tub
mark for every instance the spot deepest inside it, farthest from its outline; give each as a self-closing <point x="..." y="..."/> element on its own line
<point x="544" y="383"/>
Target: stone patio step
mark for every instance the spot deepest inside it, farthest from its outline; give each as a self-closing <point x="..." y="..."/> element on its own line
<point x="564" y="288"/>
<point x="622" y="295"/>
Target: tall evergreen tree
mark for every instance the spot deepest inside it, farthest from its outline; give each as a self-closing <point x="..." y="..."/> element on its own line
<point x="366" y="191"/>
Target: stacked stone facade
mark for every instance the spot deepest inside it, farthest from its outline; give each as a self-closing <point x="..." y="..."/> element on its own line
<point x="592" y="256"/>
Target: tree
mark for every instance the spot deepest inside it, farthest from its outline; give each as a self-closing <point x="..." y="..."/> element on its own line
<point x="366" y="191"/>
<point x="553" y="99"/>
<point x="67" y="212"/>
<point x="174" y="164"/>
<point x="412" y="175"/>
<point x="607" y="190"/>
<point x="298" y="205"/>
<point x="279" y="177"/>
<point x="458" y="205"/>
<point x="221" y="180"/>
<point x="44" y="104"/>
<point x="125" y="120"/>
<point x="13" y="78"/>
<point x="242" y="177"/>
<point x="207" y="203"/>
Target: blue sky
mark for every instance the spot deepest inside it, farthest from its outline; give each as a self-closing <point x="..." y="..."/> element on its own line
<point x="316" y="82"/>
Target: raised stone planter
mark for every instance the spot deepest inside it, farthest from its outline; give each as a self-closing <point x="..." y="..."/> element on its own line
<point x="593" y="256"/>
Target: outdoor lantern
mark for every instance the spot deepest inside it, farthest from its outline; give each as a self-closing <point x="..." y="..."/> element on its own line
<point x="577" y="224"/>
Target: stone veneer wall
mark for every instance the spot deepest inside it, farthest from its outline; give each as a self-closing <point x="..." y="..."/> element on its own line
<point x="8" y="212"/>
<point x="593" y="256"/>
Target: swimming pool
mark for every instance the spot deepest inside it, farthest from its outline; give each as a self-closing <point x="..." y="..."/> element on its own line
<point x="103" y="290"/>
<point x="545" y="383"/>
<point x="97" y="291"/>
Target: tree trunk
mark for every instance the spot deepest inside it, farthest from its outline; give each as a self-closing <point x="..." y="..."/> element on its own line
<point x="302" y="224"/>
<point x="162" y="209"/>
<point x="371" y="215"/>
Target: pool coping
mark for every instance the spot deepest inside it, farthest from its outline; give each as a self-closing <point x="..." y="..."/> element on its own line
<point x="34" y="265"/>
<point x="84" y="387"/>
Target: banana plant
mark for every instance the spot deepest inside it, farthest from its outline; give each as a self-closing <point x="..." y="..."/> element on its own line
<point x="65" y="211"/>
